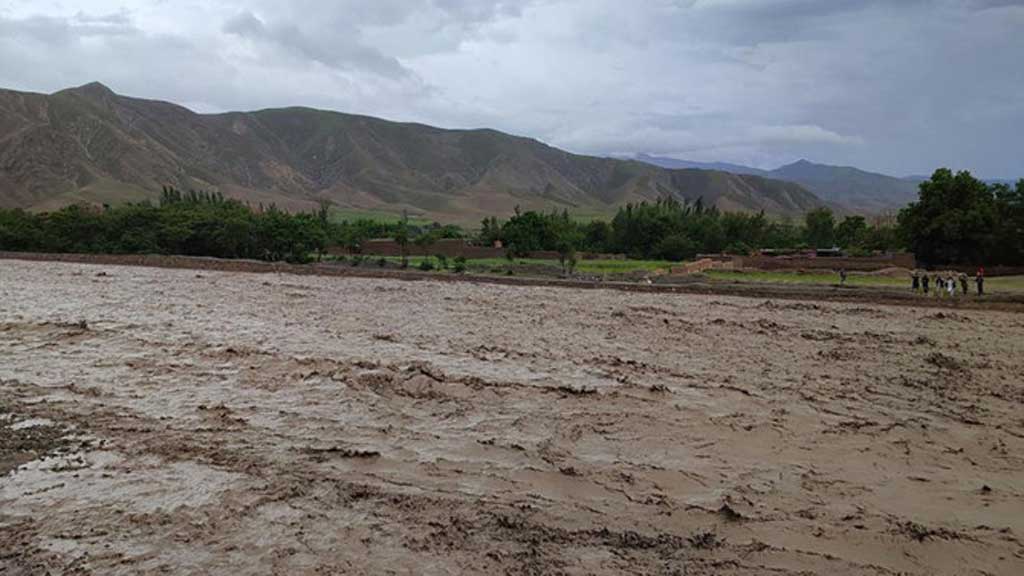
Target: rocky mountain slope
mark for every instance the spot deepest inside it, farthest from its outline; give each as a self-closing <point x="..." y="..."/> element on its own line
<point x="857" y="189"/>
<point x="90" y="144"/>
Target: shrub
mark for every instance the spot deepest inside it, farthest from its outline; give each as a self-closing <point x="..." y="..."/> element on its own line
<point x="382" y="262"/>
<point x="427" y="265"/>
<point x="739" y="249"/>
<point x="358" y="260"/>
<point x="676" y="248"/>
<point x="460" y="265"/>
<point x="442" y="261"/>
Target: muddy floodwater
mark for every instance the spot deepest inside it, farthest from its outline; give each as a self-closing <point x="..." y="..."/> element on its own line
<point x="183" y="422"/>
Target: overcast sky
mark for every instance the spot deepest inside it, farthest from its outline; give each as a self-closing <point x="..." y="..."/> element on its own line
<point x="899" y="86"/>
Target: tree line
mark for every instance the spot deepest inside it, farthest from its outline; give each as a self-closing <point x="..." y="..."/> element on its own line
<point x="192" y="224"/>
<point x="198" y="223"/>
<point x="671" y="230"/>
<point x="957" y="219"/>
<point x="960" y="219"/>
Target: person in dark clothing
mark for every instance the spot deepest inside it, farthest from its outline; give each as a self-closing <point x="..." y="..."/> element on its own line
<point x="842" y="276"/>
<point x="979" y="279"/>
<point x="924" y="282"/>
<point x="963" y="283"/>
<point x="915" y="280"/>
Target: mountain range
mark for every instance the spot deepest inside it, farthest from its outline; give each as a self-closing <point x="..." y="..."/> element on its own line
<point x="843" y="187"/>
<point x="89" y="144"/>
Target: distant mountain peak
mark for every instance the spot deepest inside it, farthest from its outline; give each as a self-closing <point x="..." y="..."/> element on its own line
<point x="845" y="187"/>
<point x="801" y="163"/>
<point x="91" y="90"/>
<point x="678" y="164"/>
<point x="94" y="86"/>
<point x="850" y="186"/>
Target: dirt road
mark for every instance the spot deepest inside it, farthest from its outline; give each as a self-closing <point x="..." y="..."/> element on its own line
<point x="184" y="422"/>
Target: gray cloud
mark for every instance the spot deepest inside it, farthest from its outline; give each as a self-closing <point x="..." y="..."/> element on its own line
<point x="898" y="87"/>
<point x="992" y="4"/>
<point x="339" y="49"/>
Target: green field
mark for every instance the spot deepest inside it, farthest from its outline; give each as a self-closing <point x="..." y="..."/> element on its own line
<point x="500" y="265"/>
<point x="345" y="214"/>
<point x="804" y="278"/>
<point x="1004" y="284"/>
<point x="524" y="266"/>
<point x="582" y="266"/>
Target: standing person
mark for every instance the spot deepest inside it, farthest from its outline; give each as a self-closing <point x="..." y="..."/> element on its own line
<point x="951" y="286"/>
<point x="842" y="276"/>
<point x="979" y="279"/>
<point x="925" y="279"/>
<point x="939" y="286"/>
<point x="915" y="281"/>
<point x="963" y="283"/>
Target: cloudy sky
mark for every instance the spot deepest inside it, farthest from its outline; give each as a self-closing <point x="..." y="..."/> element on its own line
<point x="899" y="86"/>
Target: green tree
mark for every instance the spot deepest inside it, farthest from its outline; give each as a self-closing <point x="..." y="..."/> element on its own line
<point x="402" y="238"/>
<point x="851" y="232"/>
<point x="1010" y="229"/>
<point x="819" y="228"/>
<point x="20" y="231"/>
<point x="490" y="231"/>
<point x="568" y="238"/>
<point x="676" y="248"/>
<point x="597" y="236"/>
<point x="424" y="241"/>
<point x="527" y="232"/>
<point x="955" y="219"/>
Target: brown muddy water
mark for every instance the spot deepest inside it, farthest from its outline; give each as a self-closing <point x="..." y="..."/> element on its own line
<point x="183" y="422"/>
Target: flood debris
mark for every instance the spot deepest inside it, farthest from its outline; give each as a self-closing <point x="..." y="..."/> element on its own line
<point x="377" y="426"/>
<point x="323" y="454"/>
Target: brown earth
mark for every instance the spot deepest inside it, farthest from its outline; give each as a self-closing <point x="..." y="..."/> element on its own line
<point x="183" y="421"/>
<point x="539" y="275"/>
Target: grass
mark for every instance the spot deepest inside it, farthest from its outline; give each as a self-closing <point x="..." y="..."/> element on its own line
<point x="483" y="265"/>
<point x="343" y="214"/>
<point x="1005" y="284"/>
<point x="623" y="266"/>
<point x="825" y="278"/>
<point x="582" y="266"/>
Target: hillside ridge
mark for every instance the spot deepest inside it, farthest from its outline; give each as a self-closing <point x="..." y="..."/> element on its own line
<point x="90" y="144"/>
<point x="847" y="188"/>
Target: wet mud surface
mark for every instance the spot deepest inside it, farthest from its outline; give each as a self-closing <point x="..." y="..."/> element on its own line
<point x="175" y="421"/>
<point x="1008" y="302"/>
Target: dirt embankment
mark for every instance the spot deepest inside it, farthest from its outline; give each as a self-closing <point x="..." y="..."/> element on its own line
<point x="201" y="421"/>
<point x="673" y="285"/>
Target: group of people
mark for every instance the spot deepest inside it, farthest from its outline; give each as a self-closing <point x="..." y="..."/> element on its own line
<point x="946" y="283"/>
